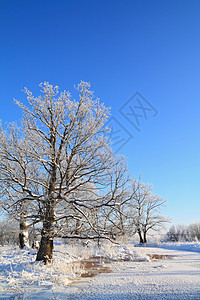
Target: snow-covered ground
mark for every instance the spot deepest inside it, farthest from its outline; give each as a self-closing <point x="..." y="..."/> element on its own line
<point x="136" y="274"/>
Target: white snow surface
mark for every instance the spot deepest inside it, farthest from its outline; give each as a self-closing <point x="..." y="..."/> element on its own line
<point x="134" y="275"/>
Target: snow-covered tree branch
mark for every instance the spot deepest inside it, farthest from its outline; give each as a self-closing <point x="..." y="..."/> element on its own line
<point x="58" y="167"/>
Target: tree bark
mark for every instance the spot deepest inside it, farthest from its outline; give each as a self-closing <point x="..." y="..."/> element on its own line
<point x="23" y="235"/>
<point x="45" y="252"/>
<point x="140" y="236"/>
<point x="145" y="237"/>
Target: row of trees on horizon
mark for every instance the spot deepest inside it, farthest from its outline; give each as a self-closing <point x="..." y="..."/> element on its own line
<point x="181" y="233"/>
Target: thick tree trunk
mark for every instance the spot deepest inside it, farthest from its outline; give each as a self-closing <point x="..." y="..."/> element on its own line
<point x="45" y="252"/>
<point x="140" y="236"/>
<point x="145" y="237"/>
<point x="23" y="235"/>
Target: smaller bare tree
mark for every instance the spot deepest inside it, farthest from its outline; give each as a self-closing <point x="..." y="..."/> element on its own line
<point x="146" y="210"/>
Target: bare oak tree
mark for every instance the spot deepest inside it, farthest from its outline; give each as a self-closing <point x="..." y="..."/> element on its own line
<point x="61" y="165"/>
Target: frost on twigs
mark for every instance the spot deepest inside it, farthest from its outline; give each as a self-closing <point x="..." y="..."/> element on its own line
<point x="58" y="170"/>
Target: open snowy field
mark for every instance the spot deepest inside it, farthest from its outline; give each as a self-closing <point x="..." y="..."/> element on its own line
<point x="170" y="271"/>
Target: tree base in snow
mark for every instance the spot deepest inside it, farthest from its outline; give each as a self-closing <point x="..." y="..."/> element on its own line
<point x="45" y="252"/>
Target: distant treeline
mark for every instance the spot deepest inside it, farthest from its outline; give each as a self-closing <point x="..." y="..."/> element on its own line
<point x="188" y="233"/>
<point x="9" y="232"/>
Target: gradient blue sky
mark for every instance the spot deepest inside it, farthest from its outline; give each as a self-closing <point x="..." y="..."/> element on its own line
<point x="120" y="47"/>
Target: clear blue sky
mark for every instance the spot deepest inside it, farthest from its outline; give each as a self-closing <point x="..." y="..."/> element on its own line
<point x="120" y="47"/>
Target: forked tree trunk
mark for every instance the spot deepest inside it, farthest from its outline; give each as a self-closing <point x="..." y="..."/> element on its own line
<point x="23" y="235"/>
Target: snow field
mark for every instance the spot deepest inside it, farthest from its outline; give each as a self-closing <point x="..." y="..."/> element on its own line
<point x="175" y="278"/>
<point x="134" y="275"/>
<point x="20" y="273"/>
